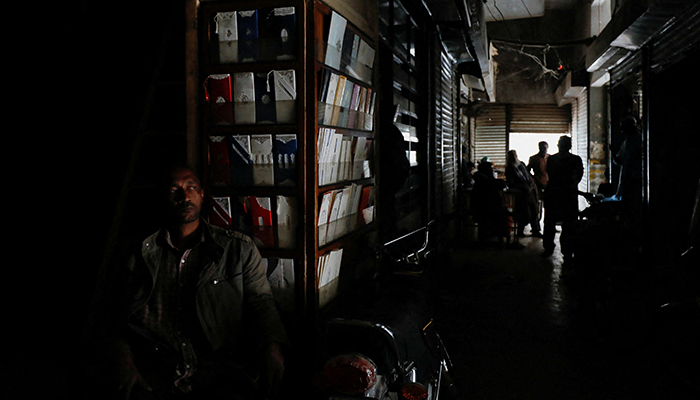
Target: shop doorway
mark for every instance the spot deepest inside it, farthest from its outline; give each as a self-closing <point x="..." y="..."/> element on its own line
<point x="526" y="144"/>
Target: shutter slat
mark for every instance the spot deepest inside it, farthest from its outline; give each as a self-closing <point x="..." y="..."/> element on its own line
<point x="579" y="136"/>
<point x="445" y="110"/>
<point x="490" y="135"/>
<point x="540" y="119"/>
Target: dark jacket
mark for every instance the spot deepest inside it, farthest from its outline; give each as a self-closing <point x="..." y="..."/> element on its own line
<point x="232" y="292"/>
<point x="565" y="172"/>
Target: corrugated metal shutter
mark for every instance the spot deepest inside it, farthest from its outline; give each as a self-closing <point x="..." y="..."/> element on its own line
<point x="626" y="68"/>
<point x="490" y="139"/>
<point x="539" y="118"/>
<point x="677" y="41"/>
<point x="498" y="121"/>
<point x="579" y="136"/>
<point x="445" y="121"/>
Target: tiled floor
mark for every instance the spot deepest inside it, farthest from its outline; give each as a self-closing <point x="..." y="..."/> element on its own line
<point x="515" y="331"/>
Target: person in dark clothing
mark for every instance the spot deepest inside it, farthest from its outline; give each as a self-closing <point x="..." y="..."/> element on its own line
<point x="467" y="174"/>
<point x="606" y="189"/>
<point x="629" y="157"/>
<point x="522" y="184"/>
<point x="487" y="203"/>
<point x="466" y="167"/>
<point x="395" y="170"/>
<point x="186" y="313"/>
<point x="537" y="164"/>
<point x="565" y="171"/>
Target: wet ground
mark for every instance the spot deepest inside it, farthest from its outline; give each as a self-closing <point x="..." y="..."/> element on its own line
<point x="515" y="330"/>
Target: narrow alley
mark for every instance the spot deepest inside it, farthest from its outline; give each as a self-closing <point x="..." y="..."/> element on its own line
<point x="514" y="331"/>
<point x="313" y="133"/>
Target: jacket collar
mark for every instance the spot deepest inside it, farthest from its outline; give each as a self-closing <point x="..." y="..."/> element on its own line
<point x="152" y="247"/>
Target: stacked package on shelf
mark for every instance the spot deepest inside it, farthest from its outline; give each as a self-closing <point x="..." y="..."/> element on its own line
<point x="364" y="62"/>
<point x="240" y="160"/>
<point x="328" y="272"/>
<point x="219" y="169"/>
<point x="252" y="216"/>
<point x="218" y="93"/>
<point x="221" y="212"/>
<point x="280" y="274"/>
<point x="323" y="215"/>
<point x="248" y="49"/>
<point x="227" y="30"/>
<point x="254" y="160"/>
<point x="230" y="213"/>
<point x="329" y="155"/>
<point x="261" y="216"/>
<point x="286" y="222"/>
<point x="334" y="46"/>
<point x="263" y="159"/>
<point x="256" y="35"/>
<point x="244" y="98"/>
<point x="285" y="33"/>
<point x="367" y="205"/>
<point x="346" y="51"/>
<point x="345" y="159"/>
<point x="327" y="93"/>
<point x="252" y="98"/>
<point x="338" y="213"/>
<point x="285" y="160"/>
<point x="265" y="107"/>
<point x="342" y="157"/>
<point x="344" y="103"/>
<point x="361" y="156"/>
<point x="285" y="96"/>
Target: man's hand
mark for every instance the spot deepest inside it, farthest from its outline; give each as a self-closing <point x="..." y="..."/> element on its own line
<point x="128" y="377"/>
<point x="272" y="370"/>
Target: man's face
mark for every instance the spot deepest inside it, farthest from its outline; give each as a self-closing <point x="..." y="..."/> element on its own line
<point x="185" y="196"/>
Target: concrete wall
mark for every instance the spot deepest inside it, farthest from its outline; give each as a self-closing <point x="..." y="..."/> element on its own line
<point x="598" y="136"/>
<point x="519" y="77"/>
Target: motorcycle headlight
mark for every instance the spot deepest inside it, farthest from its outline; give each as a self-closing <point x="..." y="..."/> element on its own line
<point x="413" y="391"/>
<point x="350" y="373"/>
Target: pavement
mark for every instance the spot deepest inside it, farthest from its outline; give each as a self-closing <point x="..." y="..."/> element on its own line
<point x="514" y="328"/>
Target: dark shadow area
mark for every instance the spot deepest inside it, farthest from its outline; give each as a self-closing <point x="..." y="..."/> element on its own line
<point x="77" y="78"/>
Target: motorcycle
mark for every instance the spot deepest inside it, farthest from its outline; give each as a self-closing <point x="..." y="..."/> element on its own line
<point x="391" y="349"/>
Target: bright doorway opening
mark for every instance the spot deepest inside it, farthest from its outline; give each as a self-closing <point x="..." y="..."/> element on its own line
<point x="526" y="144"/>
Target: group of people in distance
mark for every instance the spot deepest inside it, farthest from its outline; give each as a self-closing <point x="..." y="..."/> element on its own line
<point x="552" y="179"/>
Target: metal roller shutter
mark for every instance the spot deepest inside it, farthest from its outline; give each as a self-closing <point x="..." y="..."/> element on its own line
<point x="579" y="136"/>
<point x="498" y="121"/>
<point x="539" y="118"/>
<point x="444" y="118"/>
<point x="626" y="68"/>
<point x="677" y="41"/>
<point x="491" y="138"/>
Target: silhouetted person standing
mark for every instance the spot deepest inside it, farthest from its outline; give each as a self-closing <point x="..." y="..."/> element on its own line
<point x="395" y="168"/>
<point x="629" y="157"/>
<point x="537" y="164"/>
<point x="565" y="171"/>
<point x="526" y="197"/>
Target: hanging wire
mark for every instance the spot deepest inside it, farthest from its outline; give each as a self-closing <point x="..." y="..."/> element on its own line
<point x="546" y="47"/>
